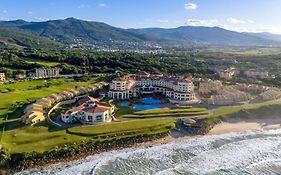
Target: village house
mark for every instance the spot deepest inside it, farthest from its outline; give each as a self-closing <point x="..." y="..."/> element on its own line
<point x="209" y="86"/>
<point x="35" y="112"/>
<point x="227" y="74"/>
<point x="178" y="90"/>
<point x="56" y="97"/>
<point x="90" y="111"/>
<point x="2" y="77"/>
<point x="20" y="75"/>
<point x="256" y="74"/>
<point x="32" y="118"/>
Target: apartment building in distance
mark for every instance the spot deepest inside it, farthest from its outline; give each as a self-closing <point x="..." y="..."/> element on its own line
<point x="2" y="77"/>
<point x="256" y="74"/>
<point x="177" y="89"/>
<point x="209" y="87"/>
<point x="47" y="73"/>
<point x="227" y="74"/>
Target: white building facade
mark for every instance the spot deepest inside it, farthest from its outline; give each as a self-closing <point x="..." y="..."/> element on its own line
<point x="47" y="73"/>
<point x="90" y="112"/>
<point x="176" y="89"/>
<point x="2" y="77"/>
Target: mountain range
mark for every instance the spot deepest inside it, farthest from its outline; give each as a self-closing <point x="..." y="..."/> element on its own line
<point x="73" y="31"/>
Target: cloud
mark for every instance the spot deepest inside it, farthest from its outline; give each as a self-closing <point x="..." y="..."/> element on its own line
<point x="190" y="6"/>
<point x="200" y="22"/>
<point x="163" y="20"/>
<point x="41" y="19"/>
<point x="239" y="21"/>
<point x="30" y="12"/>
<point x="4" y="19"/>
<point x="5" y="11"/>
<point x="102" y="5"/>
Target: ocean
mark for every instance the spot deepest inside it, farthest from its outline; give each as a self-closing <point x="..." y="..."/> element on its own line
<point x="243" y="153"/>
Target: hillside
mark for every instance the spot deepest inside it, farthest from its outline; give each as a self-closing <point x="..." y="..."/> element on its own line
<point x="266" y="35"/>
<point x="206" y="35"/>
<point x="14" y="38"/>
<point x="70" y="30"/>
<point x="75" y="31"/>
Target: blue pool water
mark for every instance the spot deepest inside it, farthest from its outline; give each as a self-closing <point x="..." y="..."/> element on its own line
<point x="124" y="103"/>
<point x="148" y="103"/>
<point x="151" y="100"/>
<point x="148" y="106"/>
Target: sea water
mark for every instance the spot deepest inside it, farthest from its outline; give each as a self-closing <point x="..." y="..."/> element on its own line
<point x="244" y="153"/>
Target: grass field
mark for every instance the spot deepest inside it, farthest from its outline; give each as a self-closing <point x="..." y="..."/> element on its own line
<point x="42" y="138"/>
<point x="125" y="113"/>
<point x="20" y="138"/>
<point x="246" y="52"/>
<point x="227" y="111"/>
<point x="41" y="62"/>
<point x="17" y="94"/>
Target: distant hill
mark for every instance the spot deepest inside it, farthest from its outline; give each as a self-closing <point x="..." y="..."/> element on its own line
<point x="70" y="30"/>
<point x="207" y="35"/>
<point x="73" y="31"/>
<point x="15" y="38"/>
<point x="266" y="35"/>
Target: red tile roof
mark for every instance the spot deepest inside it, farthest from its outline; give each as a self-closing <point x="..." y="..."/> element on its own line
<point x="86" y="99"/>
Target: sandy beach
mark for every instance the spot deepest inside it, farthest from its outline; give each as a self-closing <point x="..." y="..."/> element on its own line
<point x="239" y="125"/>
<point x="231" y="125"/>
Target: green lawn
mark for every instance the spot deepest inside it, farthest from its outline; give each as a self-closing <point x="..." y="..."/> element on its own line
<point x="41" y="62"/>
<point x="17" y="94"/>
<point x="42" y="138"/>
<point x="20" y="138"/>
<point x="125" y="113"/>
<point x="225" y="111"/>
<point x="139" y="127"/>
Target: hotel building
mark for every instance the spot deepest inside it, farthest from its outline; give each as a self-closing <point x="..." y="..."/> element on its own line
<point x="178" y="90"/>
<point x="89" y="111"/>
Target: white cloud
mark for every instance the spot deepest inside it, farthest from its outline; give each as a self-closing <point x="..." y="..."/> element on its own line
<point x="163" y="20"/>
<point x="201" y="22"/>
<point x="190" y="6"/>
<point x="239" y="21"/>
<point x="30" y="12"/>
<point x="4" y="19"/>
<point x="5" y="11"/>
<point x="251" y="21"/>
<point x="235" y="21"/>
<point x="102" y="5"/>
<point x="41" y="19"/>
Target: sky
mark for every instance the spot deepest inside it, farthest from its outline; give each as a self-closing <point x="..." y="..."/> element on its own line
<point x="238" y="15"/>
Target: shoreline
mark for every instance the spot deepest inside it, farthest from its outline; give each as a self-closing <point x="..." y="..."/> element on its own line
<point x="240" y="125"/>
<point x="222" y="126"/>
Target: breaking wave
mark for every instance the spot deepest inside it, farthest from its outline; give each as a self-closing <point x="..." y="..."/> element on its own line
<point x="252" y="152"/>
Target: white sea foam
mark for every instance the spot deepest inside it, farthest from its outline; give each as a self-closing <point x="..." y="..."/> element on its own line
<point x="232" y="153"/>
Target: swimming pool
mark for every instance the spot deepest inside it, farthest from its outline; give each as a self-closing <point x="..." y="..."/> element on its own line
<point x="148" y="103"/>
